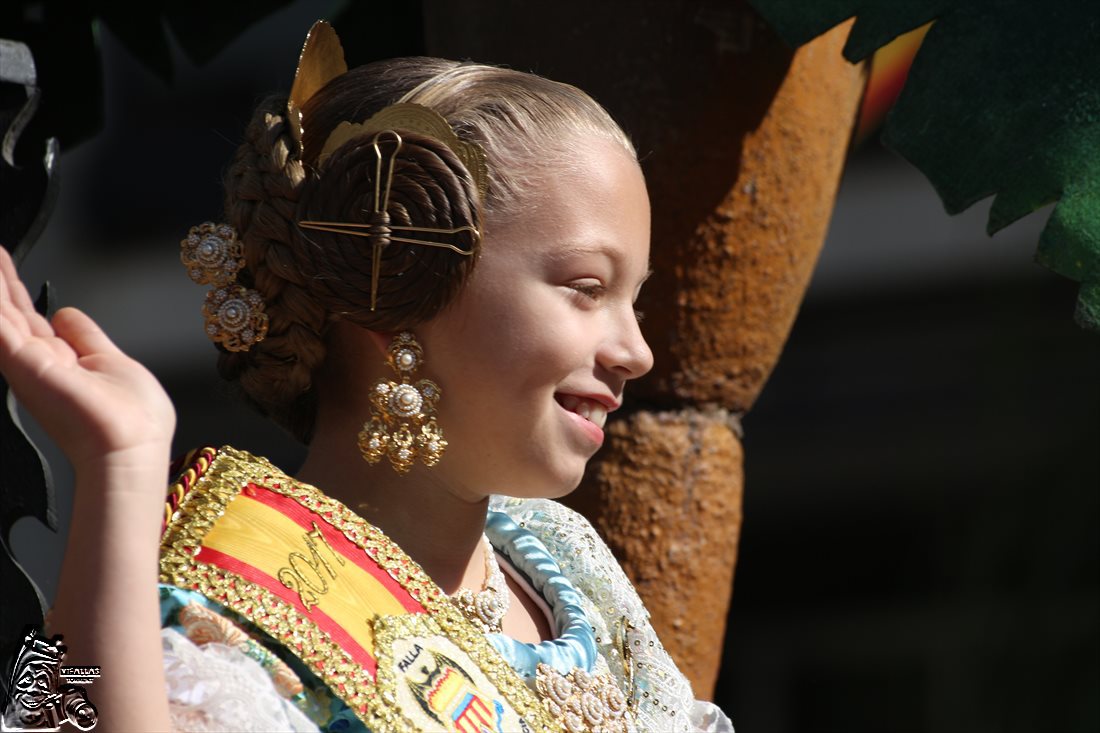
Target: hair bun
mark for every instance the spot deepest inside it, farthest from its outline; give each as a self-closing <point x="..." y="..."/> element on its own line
<point x="430" y="188"/>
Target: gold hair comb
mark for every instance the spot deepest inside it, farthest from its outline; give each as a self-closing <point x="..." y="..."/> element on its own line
<point x="321" y="61"/>
<point x="414" y="118"/>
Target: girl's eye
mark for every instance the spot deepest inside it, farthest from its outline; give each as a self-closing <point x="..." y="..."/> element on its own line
<point x="639" y="316"/>
<point x="589" y="288"/>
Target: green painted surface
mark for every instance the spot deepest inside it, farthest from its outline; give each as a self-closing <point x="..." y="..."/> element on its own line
<point x="1003" y="100"/>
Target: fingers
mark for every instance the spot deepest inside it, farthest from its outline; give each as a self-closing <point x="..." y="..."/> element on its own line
<point x="12" y="334"/>
<point x="15" y="301"/>
<point x="20" y="324"/>
<point x="82" y="333"/>
<point x="18" y="295"/>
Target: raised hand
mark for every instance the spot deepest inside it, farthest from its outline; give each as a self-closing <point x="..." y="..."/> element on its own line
<point x="115" y="423"/>
<point x="97" y="404"/>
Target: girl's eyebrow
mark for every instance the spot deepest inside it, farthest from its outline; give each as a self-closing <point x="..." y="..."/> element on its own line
<point x="575" y="250"/>
<point x="604" y="249"/>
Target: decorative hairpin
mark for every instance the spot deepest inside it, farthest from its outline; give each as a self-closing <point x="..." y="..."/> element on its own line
<point x="234" y="314"/>
<point x="379" y="229"/>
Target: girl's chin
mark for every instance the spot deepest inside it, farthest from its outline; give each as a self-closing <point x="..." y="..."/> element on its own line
<point x="547" y="483"/>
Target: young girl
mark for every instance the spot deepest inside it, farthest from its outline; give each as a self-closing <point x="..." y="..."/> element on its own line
<point x="427" y="274"/>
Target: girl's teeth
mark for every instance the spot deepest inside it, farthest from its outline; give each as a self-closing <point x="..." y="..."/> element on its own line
<point x="590" y="410"/>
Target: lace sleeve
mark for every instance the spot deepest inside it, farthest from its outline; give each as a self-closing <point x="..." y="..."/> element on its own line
<point x="215" y="687"/>
<point x="706" y="717"/>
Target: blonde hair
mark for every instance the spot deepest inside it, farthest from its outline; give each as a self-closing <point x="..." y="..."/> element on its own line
<point x="525" y="123"/>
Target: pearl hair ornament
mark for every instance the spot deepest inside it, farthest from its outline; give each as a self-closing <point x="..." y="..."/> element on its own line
<point x="212" y="254"/>
<point x="233" y="314"/>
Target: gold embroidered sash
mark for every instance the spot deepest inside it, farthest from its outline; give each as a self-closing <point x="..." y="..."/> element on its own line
<point x="342" y="597"/>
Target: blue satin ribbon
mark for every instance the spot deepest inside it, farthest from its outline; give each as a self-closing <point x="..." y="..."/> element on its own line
<point x="576" y="642"/>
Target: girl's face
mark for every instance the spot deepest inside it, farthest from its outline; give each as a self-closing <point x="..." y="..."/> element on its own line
<point x="538" y="347"/>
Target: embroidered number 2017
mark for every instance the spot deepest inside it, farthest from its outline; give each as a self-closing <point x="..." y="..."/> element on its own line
<point x="303" y="574"/>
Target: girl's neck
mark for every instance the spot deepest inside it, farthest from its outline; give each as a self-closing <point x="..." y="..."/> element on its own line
<point x="432" y="522"/>
<point x="435" y="521"/>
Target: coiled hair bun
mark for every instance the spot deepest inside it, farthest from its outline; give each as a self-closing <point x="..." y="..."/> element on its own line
<point x="430" y="188"/>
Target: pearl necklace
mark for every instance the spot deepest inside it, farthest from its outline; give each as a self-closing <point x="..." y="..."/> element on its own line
<point x="487" y="607"/>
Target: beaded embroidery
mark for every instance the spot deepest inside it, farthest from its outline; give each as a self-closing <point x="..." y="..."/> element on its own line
<point x="584" y="702"/>
<point x="487" y="607"/>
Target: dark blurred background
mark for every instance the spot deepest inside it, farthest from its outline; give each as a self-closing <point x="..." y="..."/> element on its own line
<point x="921" y="543"/>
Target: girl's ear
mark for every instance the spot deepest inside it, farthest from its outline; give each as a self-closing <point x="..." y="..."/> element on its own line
<point x="351" y="347"/>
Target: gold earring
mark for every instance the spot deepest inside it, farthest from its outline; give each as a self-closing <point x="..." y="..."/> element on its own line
<point x="402" y="422"/>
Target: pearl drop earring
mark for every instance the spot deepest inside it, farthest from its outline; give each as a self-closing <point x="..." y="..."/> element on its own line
<point x="402" y="424"/>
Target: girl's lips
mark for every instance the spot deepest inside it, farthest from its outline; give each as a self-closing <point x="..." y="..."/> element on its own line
<point x="590" y="430"/>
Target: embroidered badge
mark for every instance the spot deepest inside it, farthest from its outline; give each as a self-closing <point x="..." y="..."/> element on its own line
<point x="436" y="684"/>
